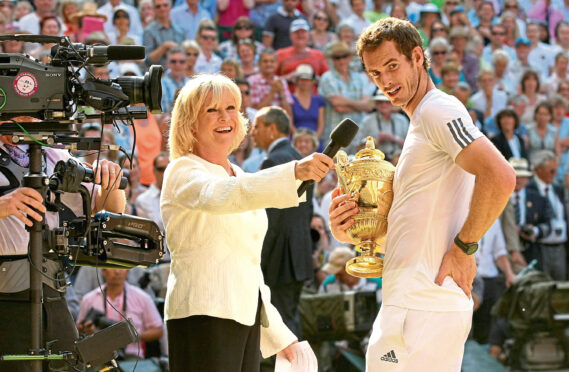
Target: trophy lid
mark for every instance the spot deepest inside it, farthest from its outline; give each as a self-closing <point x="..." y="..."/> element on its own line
<point x="370" y="151"/>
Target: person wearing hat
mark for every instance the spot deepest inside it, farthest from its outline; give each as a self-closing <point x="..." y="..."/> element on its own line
<point x="121" y="33"/>
<point x="307" y="108"/>
<point x="389" y="128"/>
<point x="108" y="11"/>
<point x="87" y="21"/>
<point x="339" y="280"/>
<point x="521" y="64"/>
<point x="299" y="53"/>
<point x="347" y="93"/>
<point x="276" y="33"/>
<point x="511" y="217"/>
<point x="428" y="15"/>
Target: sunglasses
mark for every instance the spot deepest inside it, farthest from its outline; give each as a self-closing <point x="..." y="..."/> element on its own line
<point x="6" y="5"/>
<point x="318" y="18"/>
<point x="160" y="169"/>
<point x="180" y="61"/>
<point x="248" y="27"/>
<point x="246" y="92"/>
<point x="208" y="37"/>
<point x="439" y="52"/>
<point x="158" y="6"/>
<point x="438" y="29"/>
<point x="192" y="54"/>
<point x="337" y="58"/>
<point x="513" y="6"/>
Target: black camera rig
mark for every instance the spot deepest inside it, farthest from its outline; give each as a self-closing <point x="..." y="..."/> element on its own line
<point x="52" y="93"/>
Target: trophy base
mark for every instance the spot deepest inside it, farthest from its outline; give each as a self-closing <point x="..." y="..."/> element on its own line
<point x="365" y="266"/>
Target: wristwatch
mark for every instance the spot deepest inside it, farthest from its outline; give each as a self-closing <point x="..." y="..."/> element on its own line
<point x="469" y="248"/>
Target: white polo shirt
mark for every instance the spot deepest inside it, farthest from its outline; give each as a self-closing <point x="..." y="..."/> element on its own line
<point x="431" y="202"/>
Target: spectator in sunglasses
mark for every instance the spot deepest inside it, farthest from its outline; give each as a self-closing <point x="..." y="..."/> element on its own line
<point x="320" y="36"/>
<point x="208" y="61"/>
<point x="121" y="33"/>
<point x="174" y="77"/>
<point x="242" y="30"/>
<point x="192" y="50"/>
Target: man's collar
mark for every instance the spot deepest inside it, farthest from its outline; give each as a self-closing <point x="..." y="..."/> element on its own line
<point x="283" y="12"/>
<point x="540" y="184"/>
<point x="275" y="143"/>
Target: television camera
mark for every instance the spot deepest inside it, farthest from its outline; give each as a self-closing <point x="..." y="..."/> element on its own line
<point x="52" y="94"/>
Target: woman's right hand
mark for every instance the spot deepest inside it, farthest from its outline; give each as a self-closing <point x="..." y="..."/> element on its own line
<point x="341" y="212"/>
<point x="313" y="167"/>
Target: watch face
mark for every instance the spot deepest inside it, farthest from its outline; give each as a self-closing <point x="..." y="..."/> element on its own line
<point x="472" y="248"/>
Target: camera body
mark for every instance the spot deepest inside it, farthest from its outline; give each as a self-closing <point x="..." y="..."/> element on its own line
<point x="52" y="92"/>
<point x="98" y="318"/>
<point x="30" y="88"/>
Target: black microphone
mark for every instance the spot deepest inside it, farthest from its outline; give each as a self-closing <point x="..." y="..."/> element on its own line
<point x="125" y="52"/>
<point x="340" y="137"/>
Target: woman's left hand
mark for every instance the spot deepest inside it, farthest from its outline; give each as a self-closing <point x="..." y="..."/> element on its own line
<point x="287" y="351"/>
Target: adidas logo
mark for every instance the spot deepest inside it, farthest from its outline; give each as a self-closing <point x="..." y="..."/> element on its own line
<point x="390" y="357"/>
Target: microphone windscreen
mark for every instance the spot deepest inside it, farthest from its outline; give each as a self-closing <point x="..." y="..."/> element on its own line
<point x="344" y="133"/>
<point x="125" y="52"/>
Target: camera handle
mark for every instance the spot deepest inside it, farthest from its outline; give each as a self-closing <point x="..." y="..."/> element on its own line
<point x="36" y="179"/>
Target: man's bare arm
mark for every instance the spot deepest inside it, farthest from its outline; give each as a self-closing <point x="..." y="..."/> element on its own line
<point x="495" y="181"/>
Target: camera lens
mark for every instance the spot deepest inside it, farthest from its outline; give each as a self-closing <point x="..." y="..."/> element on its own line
<point x="147" y="89"/>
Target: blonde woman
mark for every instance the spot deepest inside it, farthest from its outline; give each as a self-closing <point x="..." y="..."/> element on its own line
<point x="218" y="309"/>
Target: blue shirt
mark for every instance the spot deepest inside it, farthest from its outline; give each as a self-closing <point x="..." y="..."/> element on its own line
<point x="156" y="34"/>
<point x="307" y="118"/>
<point x="169" y="87"/>
<point x="332" y="84"/>
<point x="188" y="21"/>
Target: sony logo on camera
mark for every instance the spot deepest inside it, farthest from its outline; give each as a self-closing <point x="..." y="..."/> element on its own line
<point x="53" y="74"/>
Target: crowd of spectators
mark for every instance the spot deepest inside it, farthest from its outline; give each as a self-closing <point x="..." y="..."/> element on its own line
<point x="507" y="61"/>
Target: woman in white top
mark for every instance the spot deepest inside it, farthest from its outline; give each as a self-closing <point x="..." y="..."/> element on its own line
<point x="218" y="310"/>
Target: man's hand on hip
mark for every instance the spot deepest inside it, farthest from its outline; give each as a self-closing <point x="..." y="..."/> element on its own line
<point x="460" y="267"/>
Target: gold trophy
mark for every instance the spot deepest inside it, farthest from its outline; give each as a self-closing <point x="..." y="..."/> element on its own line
<point x="369" y="179"/>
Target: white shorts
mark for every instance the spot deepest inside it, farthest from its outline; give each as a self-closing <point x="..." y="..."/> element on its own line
<point x="412" y="340"/>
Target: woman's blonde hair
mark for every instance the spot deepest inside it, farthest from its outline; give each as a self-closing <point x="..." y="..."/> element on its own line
<point x="188" y="106"/>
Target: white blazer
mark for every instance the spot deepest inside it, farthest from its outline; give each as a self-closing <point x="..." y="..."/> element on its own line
<point x="215" y="226"/>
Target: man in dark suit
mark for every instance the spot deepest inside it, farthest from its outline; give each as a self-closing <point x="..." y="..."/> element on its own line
<point x="286" y="259"/>
<point x="545" y="229"/>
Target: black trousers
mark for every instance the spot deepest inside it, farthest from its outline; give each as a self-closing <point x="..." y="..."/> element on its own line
<point x="285" y="298"/>
<point x="203" y="343"/>
<point x="482" y="320"/>
<point x="58" y="324"/>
